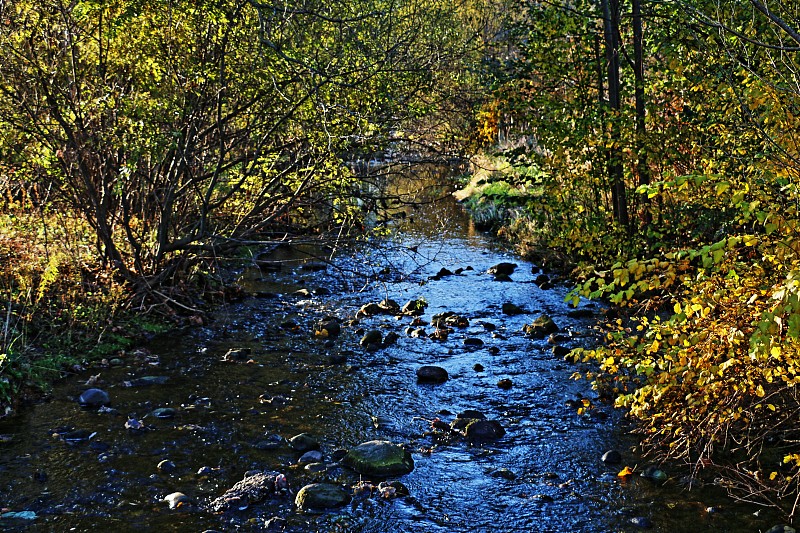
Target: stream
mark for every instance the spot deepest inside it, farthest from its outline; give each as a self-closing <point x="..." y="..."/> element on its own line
<point x="193" y="412"/>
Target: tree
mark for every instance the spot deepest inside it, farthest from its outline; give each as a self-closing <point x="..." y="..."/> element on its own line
<point x="176" y="130"/>
<point x="611" y="13"/>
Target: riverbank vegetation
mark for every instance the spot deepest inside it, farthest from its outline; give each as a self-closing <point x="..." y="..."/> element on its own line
<point x="653" y="146"/>
<point x="142" y="141"/>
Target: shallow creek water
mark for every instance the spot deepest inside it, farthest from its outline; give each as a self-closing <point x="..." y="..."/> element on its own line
<point x="545" y="474"/>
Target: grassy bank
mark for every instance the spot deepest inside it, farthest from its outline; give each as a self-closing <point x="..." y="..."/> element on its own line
<point x="61" y="309"/>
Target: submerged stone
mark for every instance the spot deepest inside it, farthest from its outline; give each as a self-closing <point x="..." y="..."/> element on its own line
<point x="389" y="307"/>
<point x="237" y="354"/>
<point x="166" y="467"/>
<point x="303" y="443"/>
<point x="390" y="339"/>
<point x="19" y="515"/>
<point x="313" y="456"/>
<point x="505" y="384"/>
<point x="781" y="529"/>
<point x="379" y="458"/>
<point x="147" y="381"/>
<point x="471" y="413"/>
<point x="329" y="327"/>
<point x="369" y="309"/>
<point x="511" y="309"/>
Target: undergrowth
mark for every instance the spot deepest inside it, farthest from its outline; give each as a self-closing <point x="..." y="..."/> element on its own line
<point x="703" y="348"/>
<point x="60" y="309"/>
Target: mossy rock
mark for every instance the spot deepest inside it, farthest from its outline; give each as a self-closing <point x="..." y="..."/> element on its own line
<point x="321" y="496"/>
<point x="541" y="327"/>
<point x="379" y="458"/>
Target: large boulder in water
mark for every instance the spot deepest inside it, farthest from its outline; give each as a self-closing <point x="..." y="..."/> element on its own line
<point x="255" y="487"/>
<point x="321" y="496"/>
<point x="379" y="458"/>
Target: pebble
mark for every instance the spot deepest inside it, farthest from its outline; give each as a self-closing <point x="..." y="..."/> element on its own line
<point x="177" y="499"/>
<point x="781" y="528"/>
<point x="612" y="457"/>
<point x="165" y="412"/>
<point x="166" y="467"/>
<point x="431" y="374"/>
<point x="505" y="383"/>
<point x="20" y="515"/>
<point x="303" y="443"/>
<point x="316" y="468"/>
<point x="642" y="522"/>
<point x="313" y="456"/>
<point x="94" y="398"/>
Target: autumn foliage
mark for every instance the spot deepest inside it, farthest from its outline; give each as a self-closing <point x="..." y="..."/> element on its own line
<point x="703" y="350"/>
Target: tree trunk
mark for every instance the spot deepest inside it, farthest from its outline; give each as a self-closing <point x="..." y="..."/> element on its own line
<point x="642" y="169"/>
<point x="610" y="25"/>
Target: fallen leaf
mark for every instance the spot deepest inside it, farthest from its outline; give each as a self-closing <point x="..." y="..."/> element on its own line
<point x="625" y="472"/>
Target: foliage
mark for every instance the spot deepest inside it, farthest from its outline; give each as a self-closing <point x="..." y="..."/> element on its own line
<point x="175" y="130"/>
<point x="706" y="276"/>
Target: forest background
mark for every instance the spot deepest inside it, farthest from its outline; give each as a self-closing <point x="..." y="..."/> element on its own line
<point x="650" y="146"/>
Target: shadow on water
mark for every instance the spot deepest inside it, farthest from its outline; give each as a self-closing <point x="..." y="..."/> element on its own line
<point x="80" y="469"/>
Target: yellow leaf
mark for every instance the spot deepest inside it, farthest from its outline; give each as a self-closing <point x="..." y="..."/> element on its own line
<point x="772" y="476"/>
<point x="625" y="472"/>
<point x="775" y="351"/>
<point x="677" y="308"/>
<point x="760" y="391"/>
